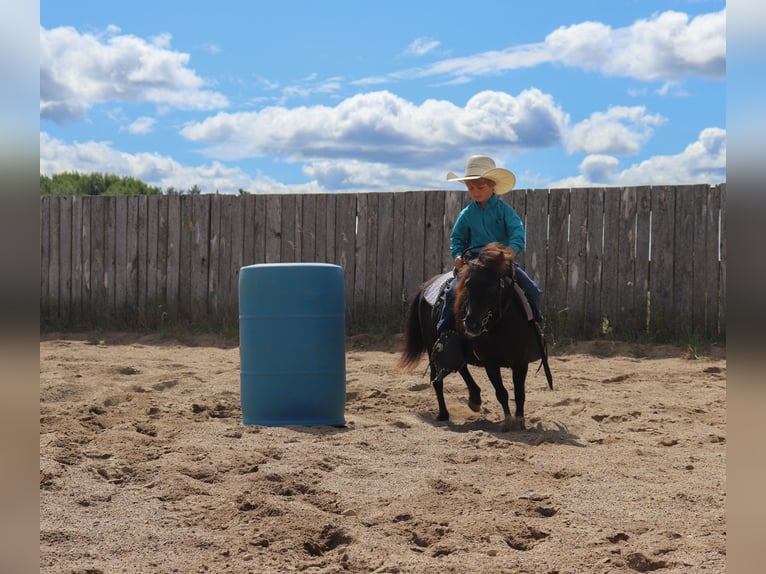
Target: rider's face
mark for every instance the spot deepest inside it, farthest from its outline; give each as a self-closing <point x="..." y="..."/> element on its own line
<point x="480" y="189"/>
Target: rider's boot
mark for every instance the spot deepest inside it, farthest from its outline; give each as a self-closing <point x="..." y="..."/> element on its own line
<point x="447" y="355"/>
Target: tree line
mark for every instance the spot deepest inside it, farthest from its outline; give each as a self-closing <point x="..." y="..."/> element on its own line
<point x="75" y="183"/>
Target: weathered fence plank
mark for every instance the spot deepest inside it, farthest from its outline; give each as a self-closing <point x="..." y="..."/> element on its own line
<point x="226" y="303"/>
<point x="699" y="250"/>
<point x="400" y="252"/>
<point x="610" y="271"/>
<point x="604" y="257"/>
<point x="643" y="238"/>
<point x="172" y="291"/>
<point x="662" y="276"/>
<point x="594" y="260"/>
<point x="65" y="260"/>
<point x="163" y="269"/>
<point x="237" y="259"/>
<point x="517" y="199"/>
<point x="576" y="256"/>
<point x="273" y="229"/>
<point x="344" y="243"/>
<point x="536" y="250"/>
<point x="76" y="274"/>
<point x="383" y="277"/>
<point x="152" y="264"/>
<point x="120" y="238"/>
<point x="683" y="260"/>
<point x="626" y="265"/>
<point x="286" y="234"/>
<point x="722" y="267"/>
<point x="98" y="302"/>
<point x="434" y="227"/>
<point x="365" y="236"/>
<point x="200" y="257"/>
<point x="142" y="255"/>
<point x="85" y="296"/>
<point x="214" y="260"/>
<point x="329" y="227"/>
<point x="46" y="214"/>
<point x="414" y="241"/>
<point x="712" y="262"/>
<point x="307" y="229"/>
<point x="557" y="269"/>
<point x="112" y="253"/>
<point x="186" y="257"/>
<point x="131" y="253"/>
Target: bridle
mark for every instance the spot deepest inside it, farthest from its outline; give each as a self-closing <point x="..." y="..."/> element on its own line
<point x="498" y="308"/>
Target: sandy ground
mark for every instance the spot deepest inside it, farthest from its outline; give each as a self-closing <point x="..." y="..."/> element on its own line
<point x="145" y="466"/>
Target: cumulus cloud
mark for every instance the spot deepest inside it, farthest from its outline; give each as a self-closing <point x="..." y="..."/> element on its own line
<point x="620" y="130"/>
<point x="57" y="156"/>
<point x="703" y="161"/>
<point x="371" y="176"/>
<point x="669" y="46"/>
<point x="78" y="70"/>
<point x="380" y="126"/>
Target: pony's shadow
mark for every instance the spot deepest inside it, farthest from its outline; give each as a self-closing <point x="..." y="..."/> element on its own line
<point x="535" y="434"/>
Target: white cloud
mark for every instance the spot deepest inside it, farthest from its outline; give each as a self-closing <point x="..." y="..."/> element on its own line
<point x="703" y="161"/>
<point x="667" y="47"/>
<point x="142" y="126"/>
<point x="373" y="176"/>
<point x="620" y="130"/>
<point x="421" y="47"/>
<point x="307" y="88"/>
<point x="380" y="126"/>
<point x="154" y="169"/>
<point x="78" y="70"/>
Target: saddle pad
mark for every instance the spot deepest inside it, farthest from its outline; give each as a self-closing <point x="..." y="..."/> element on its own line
<point x="434" y="288"/>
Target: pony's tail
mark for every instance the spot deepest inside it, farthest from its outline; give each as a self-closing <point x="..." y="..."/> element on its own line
<point x="413" y="346"/>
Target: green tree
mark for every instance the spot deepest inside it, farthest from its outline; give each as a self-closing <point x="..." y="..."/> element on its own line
<point x="74" y="183"/>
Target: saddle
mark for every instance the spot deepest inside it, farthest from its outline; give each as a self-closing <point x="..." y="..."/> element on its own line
<point x="434" y="291"/>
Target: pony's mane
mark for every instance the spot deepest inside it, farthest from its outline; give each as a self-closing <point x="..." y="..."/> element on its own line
<point x="494" y="257"/>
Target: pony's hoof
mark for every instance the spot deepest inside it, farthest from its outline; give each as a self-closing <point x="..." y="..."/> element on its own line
<point x="442" y="418"/>
<point x="475" y="406"/>
<point x="512" y="423"/>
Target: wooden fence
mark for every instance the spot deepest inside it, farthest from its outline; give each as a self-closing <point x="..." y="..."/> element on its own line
<point x="619" y="262"/>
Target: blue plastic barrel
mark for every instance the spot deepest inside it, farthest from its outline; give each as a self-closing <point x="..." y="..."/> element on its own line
<point x="292" y="344"/>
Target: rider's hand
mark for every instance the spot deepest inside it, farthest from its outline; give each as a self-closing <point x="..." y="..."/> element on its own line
<point x="458" y="262"/>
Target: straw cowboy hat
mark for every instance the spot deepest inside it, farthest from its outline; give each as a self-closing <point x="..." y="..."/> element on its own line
<point x="484" y="166"/>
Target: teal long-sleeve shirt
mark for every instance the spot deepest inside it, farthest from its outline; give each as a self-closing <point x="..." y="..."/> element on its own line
<point x="476" y="226"/>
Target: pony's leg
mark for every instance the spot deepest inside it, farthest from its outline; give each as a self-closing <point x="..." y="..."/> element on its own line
<point x="438" y="384"/>
<point x="515" y="422"/>
<point x="519" y="393"/>
<point x="493" y="373"/>
<point x="474" y="392"/>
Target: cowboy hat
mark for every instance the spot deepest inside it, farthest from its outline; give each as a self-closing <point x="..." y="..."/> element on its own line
<point x="484" y="166"/>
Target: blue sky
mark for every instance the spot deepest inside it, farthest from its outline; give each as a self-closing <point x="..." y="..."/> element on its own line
<point x="342" y="95"/>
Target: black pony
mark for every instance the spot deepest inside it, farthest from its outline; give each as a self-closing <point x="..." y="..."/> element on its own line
<point x="492" y="318"/>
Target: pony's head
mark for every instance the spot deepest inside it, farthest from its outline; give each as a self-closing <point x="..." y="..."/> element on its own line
<point x="479" y="289"/>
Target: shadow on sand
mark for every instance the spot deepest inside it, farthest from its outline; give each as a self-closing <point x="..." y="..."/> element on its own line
<point x="537" y="432"/>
